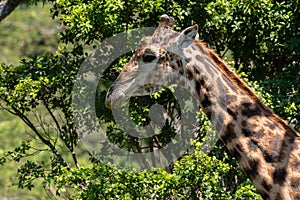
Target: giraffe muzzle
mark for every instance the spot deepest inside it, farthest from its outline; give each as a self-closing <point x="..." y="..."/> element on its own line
<point x="115" y="95"/>
<point x="115" y="100"/>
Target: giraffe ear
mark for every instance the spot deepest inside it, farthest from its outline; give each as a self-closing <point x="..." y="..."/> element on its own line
<point x="187" y="36"/>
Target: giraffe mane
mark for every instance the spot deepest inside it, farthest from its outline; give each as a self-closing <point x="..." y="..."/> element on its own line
<point x="224" y="68"/>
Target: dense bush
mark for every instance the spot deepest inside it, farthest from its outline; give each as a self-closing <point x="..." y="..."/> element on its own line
<point x="195" y="176"/>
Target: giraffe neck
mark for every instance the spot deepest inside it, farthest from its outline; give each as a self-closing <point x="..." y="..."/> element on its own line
<point x="266" y="148"/>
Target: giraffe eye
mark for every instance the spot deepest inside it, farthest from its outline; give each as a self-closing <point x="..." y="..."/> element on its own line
<point x="147" y="58"/>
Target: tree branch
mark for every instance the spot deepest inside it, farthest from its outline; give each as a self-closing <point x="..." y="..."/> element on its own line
<point x="7" y="6"/>
<point x="45" y="141"/>
<point x="69" y="146"/>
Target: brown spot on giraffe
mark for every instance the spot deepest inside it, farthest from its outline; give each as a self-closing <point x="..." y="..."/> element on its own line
<point x="189" y="74"/>
<point x="266" y="186"/>
<point x="196" y="70"/>
<point x="253" y="169"/>
<point x="264" y="194"/>
<point x="296" y="197"/>
<point x="199" y="58"/>
<point x="279" y="176"/>
<point x="279" y="197"/>
<point x="232" y="113"/>
<point x="295" y="183"/>
<point x="296" y="165"/>
<point x="198" y="87"/>
<point x="252" y="145"/>
<point x="189" y="51"/>
<point x="205" y="102"/>
<point x="229" y="135"/>
<point x="250" y="110"/>
<point x="271" y="125"/>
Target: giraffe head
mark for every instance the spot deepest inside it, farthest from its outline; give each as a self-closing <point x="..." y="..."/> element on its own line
<point x="155" y="64"/>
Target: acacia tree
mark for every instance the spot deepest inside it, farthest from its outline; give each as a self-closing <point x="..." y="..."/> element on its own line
<point x="39" y="92"/>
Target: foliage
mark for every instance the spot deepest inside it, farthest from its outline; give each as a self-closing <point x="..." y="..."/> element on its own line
<point x="36" y="84"/>
<point x="285" y="94"/>
<point x="196" y="175"/>
<point x="262" y="38"/>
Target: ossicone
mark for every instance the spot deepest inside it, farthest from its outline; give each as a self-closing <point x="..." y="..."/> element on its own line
<point x="166" y="22"/>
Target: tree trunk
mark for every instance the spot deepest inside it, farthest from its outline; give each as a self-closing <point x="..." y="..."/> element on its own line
<point x="7" y="6"/>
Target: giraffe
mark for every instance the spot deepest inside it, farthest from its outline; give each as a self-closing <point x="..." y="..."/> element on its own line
<point x="265" y="146"/>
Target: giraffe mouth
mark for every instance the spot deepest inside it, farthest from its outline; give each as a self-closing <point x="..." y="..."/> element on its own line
<point x="115" y="101"/>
